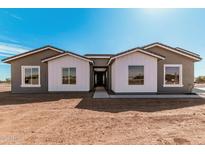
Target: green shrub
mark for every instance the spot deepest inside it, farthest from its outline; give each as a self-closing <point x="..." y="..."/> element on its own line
<point x="200" y="79"/>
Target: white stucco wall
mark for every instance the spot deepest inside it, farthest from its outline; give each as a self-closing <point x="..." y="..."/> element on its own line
<point x="55" y="74"/>
<point x="120" y="73"/>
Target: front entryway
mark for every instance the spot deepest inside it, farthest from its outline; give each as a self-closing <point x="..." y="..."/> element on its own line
<point x="100" y="79"/>
<point x="100" y="92"/>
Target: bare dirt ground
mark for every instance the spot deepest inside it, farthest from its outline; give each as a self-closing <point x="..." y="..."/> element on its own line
<point x="5" y="87"/>
<point x="79" y="119"/>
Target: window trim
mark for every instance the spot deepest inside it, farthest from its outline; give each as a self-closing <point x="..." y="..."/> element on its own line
<point x="180" y="75"/>
<point x="143" y="76"/>
<point x="23" y="76"/>
<point x="62" y="76"/>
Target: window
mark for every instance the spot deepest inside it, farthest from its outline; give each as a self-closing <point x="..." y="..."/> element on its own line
<point x="69" y="75"/>
<point x="136" y="75"/>
<point x="30" y="76"/>
<point x="172" y="75"/>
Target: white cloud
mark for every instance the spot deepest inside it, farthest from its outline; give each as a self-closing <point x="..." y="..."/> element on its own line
<point x="4" y="54"/>
<point x="12" y="48"/>
<point x="16" y="17"/>
<point x="8" y="39"/>
<point x="13" y="15"/>
<point x="3" y="64"/>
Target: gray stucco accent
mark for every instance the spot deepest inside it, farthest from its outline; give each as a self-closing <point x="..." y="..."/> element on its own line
<point x="34" y="59"/>
<point x="187" y="71"/>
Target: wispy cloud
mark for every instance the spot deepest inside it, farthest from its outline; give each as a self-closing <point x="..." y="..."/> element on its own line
<point x="12" y="48"/>
<point x="8" y="39"/>
<point x="16" y="17"/>
<point x="13" y="15"/>
<point x="5" y="54"/>
<point x="3" y="64"/>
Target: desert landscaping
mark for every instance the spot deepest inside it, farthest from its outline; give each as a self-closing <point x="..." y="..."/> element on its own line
<point x="79" y="119"/>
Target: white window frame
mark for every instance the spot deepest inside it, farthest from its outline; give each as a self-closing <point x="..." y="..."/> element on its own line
<point x="23" y="76"/>
<point x="180" y="75"/>
<point x="62" y="76"/>
<point x="143" y="76"/>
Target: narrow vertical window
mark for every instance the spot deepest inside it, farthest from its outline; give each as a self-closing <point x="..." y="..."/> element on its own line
<point x="65" y="76"/>
<point x="35" y="76"/>
<point x="27" y="78"/>
<point x="136" y="75"/>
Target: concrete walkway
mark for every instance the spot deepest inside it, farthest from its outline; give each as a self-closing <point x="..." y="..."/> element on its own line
<point x="159" y="96"/>
<point x="100" y="92"/>
<point x="199" y="90"/>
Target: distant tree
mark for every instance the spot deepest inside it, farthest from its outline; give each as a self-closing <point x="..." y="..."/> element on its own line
<point x="8" y="80"/>
<point x="200" y="79"/>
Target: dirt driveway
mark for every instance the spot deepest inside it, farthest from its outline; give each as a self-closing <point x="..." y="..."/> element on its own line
<point x="79" y="119"/>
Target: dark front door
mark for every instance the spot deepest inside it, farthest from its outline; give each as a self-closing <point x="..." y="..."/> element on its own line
<point x="99" y="78"/>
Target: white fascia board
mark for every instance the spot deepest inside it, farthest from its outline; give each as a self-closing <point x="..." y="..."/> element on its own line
<point x="54" y="57"/>
<point x="142" y="51"/>
<point x="33" y="52"/>
<point x="58" y="56"/>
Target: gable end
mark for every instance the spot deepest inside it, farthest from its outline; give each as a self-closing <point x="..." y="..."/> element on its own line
<point x="177" y="50"/>
<point x="9" y="59"/>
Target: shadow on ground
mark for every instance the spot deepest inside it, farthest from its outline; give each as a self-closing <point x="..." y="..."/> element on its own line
<point x="101" y="105"/>
<point x="142" y="105"/>
<point x="7" y="98"/>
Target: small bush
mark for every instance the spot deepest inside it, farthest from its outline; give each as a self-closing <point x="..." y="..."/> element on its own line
<point x="200" y="79"/>
<point x="7" y="80"/>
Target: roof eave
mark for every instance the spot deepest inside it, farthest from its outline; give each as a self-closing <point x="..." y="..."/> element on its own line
<point x="9" y="59"/>
<point x="135" y="50"/>
<point x="196" y="58"/>
<point x="64" y="54"/>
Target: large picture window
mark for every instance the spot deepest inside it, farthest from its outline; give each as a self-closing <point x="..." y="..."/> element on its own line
<point x="30" y="76"/>
<point x="136" y="75"/>
<point x="172" y="75"/>
<point x="69" y="75"/>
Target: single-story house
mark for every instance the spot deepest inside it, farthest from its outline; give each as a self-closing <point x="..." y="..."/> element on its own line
<point x="154" y="68"/>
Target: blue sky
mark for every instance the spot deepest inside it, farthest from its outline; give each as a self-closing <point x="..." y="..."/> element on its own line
<point x="100" y="30"/>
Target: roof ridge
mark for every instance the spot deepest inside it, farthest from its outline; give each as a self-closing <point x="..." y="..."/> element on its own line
<point x="111" y="55"/>
<point x="65" y="53"/>
<point x="33" y="50"/>
<point x="175" y="48"/>
<point x="120" y="53"/>
<point x="124" y="51"/>
<point x="179" y="48"/>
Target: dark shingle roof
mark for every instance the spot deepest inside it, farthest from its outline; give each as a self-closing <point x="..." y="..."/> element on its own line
<point x="177" y="48"/>
<point x="21" y="54"/>
<point x="110" y="55"/>
<point x="68" y="52"/>
<point x="189" y="52"/>
<point x="120" y="53"/>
